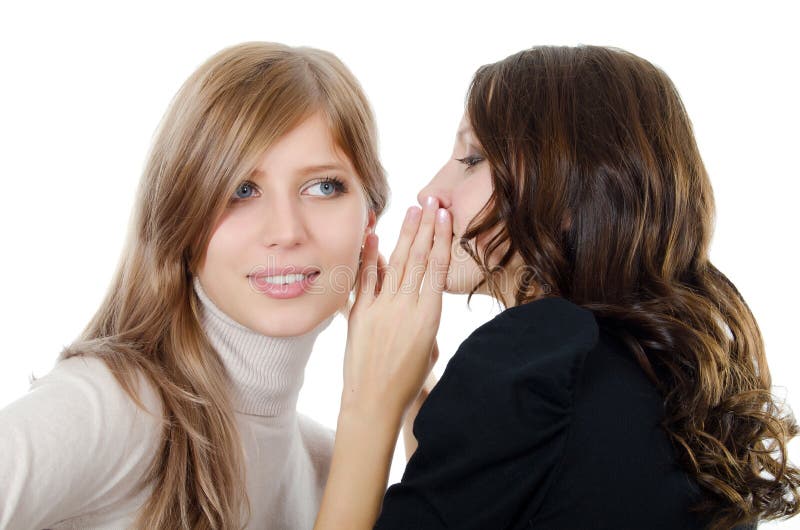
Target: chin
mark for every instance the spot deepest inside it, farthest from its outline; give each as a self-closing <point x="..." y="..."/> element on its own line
<point x="283" y="322"/>
<point x="279" y="328"/>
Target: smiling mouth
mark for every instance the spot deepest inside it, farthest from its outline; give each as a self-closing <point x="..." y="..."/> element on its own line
<point x="285" y="279"/>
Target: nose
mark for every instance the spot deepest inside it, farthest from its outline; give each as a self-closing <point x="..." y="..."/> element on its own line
<point x="438" y="188"/>
<point x="284" y="224"/>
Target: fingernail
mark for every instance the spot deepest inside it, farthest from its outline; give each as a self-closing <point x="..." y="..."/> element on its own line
<point x="412" y="213"/>
<point x="441" y="215"/>
<point x="431" y="201"/>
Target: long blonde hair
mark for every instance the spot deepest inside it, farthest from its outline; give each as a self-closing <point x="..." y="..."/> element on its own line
<point x="223" y="118"/>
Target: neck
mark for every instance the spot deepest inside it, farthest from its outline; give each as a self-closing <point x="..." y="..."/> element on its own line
<point x="265" y="372"/>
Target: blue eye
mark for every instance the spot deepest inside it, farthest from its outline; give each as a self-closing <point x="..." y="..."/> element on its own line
<point x="243" y="189"/>
<point x="329" y="186"/>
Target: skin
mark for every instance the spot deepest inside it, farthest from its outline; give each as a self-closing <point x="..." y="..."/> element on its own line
<point x="463" y="186"/>
<point x="286" y="216"/>
<point x="463" y="191"/>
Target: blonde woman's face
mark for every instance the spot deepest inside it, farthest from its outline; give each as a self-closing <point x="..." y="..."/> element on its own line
<point x="463" y="186"/>
<point x="302" y="212"/>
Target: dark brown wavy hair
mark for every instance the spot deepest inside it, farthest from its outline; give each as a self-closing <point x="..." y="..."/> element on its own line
<point x="599" y="188"/>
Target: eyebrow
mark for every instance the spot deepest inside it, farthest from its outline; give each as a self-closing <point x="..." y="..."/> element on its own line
<point x="317" y="168"/>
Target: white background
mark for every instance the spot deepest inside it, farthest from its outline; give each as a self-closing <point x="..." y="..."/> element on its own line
<point x="84" y="85"/>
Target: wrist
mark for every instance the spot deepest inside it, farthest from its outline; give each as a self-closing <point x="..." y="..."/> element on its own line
<point x="382" y="408"/>
<point x="382" y="430"/>
<point x="370" y="412"/>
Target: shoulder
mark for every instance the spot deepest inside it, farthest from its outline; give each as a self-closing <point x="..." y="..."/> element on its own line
<point x="553" y="322"/>
<point x="78" y="441"/>
<point x="86" y="387"/>
<point x="318" y="441"/>
<point x="519" y="369"/>
<point x="317" y="438"/>
<point x="80" y="408"/>
<point x="542" y="339"/>
<point x="89" y="380"/>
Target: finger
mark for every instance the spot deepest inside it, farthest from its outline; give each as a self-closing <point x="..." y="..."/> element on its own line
<point x="417" y="261"/>
<point x="399" y="256"/>
<point x="438" y="263"/>
<point x="381" y="272"/>
<point x="369" y="270"/>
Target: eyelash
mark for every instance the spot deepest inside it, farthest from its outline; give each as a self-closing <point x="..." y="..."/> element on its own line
<point x="470" y="161"/>
<point x="338" y="185"/>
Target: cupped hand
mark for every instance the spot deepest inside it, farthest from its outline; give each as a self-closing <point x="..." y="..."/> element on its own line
<point x="393" y="323"/>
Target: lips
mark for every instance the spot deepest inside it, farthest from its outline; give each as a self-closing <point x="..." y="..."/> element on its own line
<point x="281" y="291"/>
<point x="263" y="272"/>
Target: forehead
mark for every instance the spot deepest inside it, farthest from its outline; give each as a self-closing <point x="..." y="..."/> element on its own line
<point x="307" y="148"/>
<point x="313" y="132"/>
<point x="464" y="132"/>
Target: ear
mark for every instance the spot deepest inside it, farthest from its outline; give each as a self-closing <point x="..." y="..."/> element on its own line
<point x="369" y="228"/>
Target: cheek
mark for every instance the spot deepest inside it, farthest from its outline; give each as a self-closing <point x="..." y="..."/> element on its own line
<point x="232" y="233"/>
<point x="231" y="243"/>
<point x="339" y="234"/>
<point x="469" y="199"/>
<point x="226" y="240"/>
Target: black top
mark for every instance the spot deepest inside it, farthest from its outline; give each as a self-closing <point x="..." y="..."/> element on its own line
<point x="541" y="421"/>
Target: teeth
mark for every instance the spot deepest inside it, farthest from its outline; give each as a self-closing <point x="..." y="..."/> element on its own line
<point x="289" y="278"/>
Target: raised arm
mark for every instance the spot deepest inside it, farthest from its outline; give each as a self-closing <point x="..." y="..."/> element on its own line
<point x="390" y="351"/>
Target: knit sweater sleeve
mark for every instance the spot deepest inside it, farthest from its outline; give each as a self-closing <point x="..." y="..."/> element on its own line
<point x="74" y="444"/>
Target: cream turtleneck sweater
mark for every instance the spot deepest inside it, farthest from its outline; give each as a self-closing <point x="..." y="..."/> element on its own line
<point x="74" y="448"/>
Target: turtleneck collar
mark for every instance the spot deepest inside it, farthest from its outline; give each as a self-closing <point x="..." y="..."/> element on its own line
<point x="266" y="372"/>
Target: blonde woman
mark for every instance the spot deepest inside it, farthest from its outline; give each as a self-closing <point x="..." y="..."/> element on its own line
<point x="176" y="407"/>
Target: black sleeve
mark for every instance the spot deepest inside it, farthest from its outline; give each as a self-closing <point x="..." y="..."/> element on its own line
<point x="492" y="432"/>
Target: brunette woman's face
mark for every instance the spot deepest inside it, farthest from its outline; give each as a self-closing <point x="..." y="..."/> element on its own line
<point x="301" y="210"/>
<point x="463" y="186"/>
